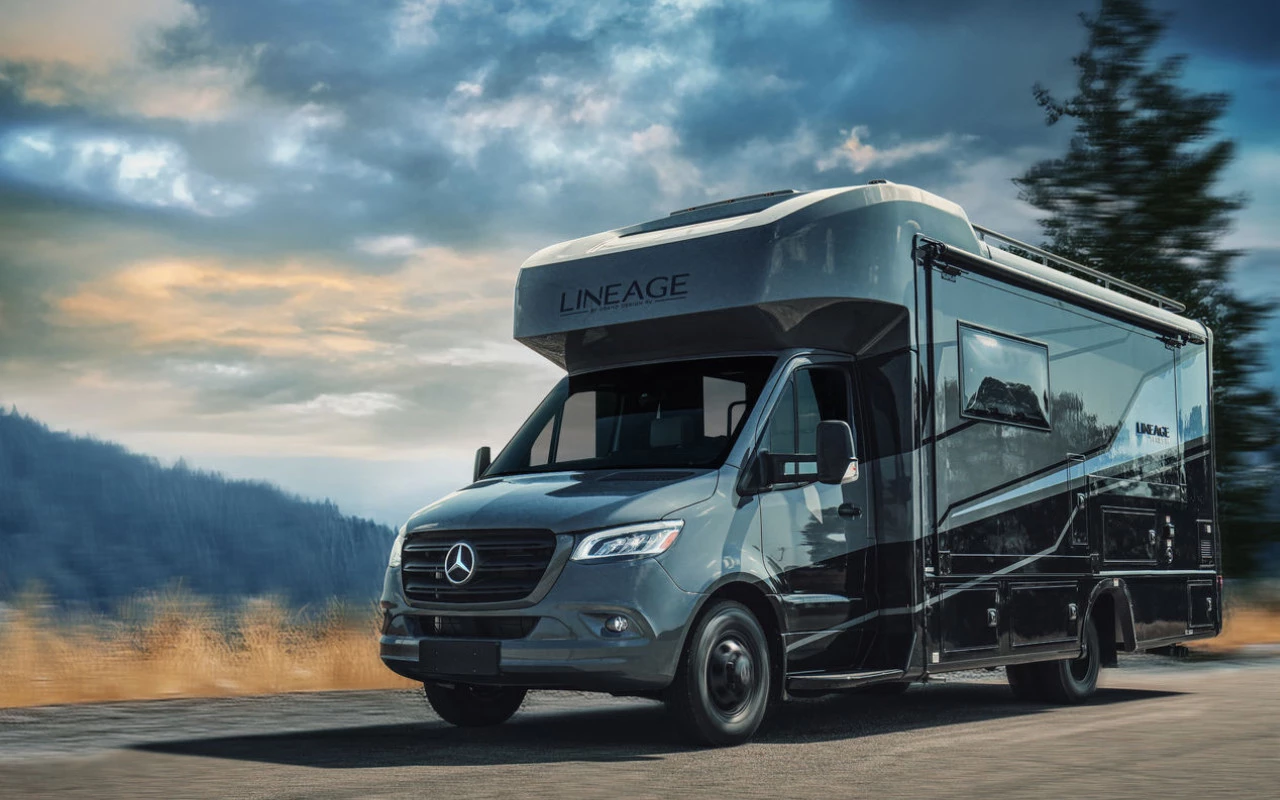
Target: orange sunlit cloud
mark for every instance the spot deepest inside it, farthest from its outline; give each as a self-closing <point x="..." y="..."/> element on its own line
<point x="295" y="309"/>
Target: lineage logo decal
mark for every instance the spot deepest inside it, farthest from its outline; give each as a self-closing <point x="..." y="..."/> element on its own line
<point x="1147" y="429"/>
<point x="625" y="294"/>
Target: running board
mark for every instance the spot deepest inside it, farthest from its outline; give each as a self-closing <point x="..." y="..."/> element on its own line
<point x="830" y="682"/>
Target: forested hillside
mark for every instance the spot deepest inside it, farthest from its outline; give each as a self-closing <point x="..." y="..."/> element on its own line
<point x="89" y="522"/>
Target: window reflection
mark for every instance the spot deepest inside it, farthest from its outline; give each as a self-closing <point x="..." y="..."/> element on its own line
<point x="1003" y="379"/>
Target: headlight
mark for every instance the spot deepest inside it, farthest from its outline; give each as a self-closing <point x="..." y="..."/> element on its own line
<point x="394" y="561"/>
<point x="644" y="539"/>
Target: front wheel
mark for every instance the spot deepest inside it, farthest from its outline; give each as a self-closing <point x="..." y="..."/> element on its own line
<point x="470" y="706"/>
<point x="721" y="692"/>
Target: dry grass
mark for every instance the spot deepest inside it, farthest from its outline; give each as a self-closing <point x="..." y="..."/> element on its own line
<point x="1243" y="626"/>
<point x="174" y="645"/>
<point x="177" y="646"/>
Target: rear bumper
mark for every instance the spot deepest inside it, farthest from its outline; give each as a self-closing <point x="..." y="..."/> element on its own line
<point x="567" y="646"/>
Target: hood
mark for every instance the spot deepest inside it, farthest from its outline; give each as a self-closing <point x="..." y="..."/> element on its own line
<point x="565" y="502"/>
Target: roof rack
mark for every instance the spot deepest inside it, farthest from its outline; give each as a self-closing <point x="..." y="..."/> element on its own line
<point x="1100" y="277"/>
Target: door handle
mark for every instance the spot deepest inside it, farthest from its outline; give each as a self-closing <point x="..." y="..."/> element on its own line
<point x="849" y="510"/>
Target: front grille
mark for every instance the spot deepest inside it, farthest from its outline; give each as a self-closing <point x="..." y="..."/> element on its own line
<point x="508" y="565"/>
<point x="1206" y="551"/>
<point x="475" y="627"/>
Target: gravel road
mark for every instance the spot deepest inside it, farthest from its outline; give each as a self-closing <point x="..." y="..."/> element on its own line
<point x="1158" y="728"/>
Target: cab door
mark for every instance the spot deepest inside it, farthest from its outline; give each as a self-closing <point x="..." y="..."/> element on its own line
<point x="816" y="538"/>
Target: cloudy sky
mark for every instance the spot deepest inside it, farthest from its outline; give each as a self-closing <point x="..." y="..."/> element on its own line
<point x="279" y="237"/>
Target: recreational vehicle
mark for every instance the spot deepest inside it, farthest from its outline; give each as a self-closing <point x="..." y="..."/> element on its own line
<point x="810" y="442"/>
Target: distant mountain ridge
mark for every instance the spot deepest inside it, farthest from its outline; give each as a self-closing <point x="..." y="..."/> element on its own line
<point x="90" y="522"/>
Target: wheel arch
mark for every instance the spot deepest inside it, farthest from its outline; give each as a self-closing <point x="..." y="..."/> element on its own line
<point x="750" y="592"/>
<point x="1110" y="609"/>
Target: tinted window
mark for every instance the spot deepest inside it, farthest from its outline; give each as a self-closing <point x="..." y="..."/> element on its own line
<point x="811" y="396"/>
<point x="1003" y="379"/>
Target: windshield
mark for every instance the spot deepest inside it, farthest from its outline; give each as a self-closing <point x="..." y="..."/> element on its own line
<point x="678" y="414"/>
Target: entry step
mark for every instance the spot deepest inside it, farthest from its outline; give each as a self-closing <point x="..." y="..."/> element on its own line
<point x="832" y="681"/>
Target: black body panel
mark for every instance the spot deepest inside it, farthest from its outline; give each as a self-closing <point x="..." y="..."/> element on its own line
<point x="1043" y="614"/>
<point x="1087" y="457"/>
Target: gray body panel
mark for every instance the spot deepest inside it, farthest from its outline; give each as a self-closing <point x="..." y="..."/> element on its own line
<point x="567" y="648"/>
<point x="825" y="269"/>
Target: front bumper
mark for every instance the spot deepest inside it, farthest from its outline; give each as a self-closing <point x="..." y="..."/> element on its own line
<point x="566" y="645"/>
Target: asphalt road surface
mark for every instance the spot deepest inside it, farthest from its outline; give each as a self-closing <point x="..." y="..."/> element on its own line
<point x="1157" y="728"/>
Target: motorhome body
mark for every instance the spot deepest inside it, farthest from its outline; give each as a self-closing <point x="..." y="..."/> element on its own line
<point x="818" y="441"/>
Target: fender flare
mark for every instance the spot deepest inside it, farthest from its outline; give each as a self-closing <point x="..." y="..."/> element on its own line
<point x="762" y="585"/>
<point x="1118" y="591"/>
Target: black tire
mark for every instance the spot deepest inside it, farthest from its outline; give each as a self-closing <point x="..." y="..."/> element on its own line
<point x="469" y="706"/>
<point x="1024" y="680"/>
<point x="722" y="689"/>
<point x="1075" y="680"/>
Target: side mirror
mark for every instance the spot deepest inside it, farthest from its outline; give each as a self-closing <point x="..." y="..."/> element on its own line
<point x="835" y="451"/>
<point x="483" y="459"/>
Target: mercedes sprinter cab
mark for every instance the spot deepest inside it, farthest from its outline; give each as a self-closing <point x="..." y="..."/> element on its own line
<point x="815" y="442"/>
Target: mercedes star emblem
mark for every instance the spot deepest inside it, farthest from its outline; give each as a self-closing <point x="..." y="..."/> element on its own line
<point x="460" y="563"/>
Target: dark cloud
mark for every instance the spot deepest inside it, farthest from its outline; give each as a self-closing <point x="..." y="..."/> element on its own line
<point x="1237" y="29"/>
<point x="934" y="13"/>
<point x="358" y="123"/>
<point x="1243" y="30"/>
<point x="464" y="124"/>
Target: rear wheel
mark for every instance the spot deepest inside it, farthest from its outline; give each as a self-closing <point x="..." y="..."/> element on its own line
<point x="1074" y="681"/>
<point x="470" y="706"/>
<point x="721" y="692"/>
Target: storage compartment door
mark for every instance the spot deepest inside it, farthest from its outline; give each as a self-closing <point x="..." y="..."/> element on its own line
<point x="1129" y="536"/>
<point x="1203" y="605"/>
<point x="1043" y="614"/>
<point x="970" y="621"/>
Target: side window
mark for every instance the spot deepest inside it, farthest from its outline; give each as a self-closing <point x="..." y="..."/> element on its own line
<point x="821" y="394"/>
<point x="1003" y="379"/>
<point x="812" y="395"/>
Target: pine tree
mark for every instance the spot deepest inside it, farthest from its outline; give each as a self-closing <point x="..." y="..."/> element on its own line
<point x="1135" y="196"/>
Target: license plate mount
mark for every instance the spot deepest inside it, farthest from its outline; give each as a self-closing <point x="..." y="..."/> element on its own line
<point x="459" y="658"/>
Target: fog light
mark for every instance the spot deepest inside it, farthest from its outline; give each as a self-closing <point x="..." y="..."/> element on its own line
<point x="617" y="624"/>
<point x="393" y="625"/>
